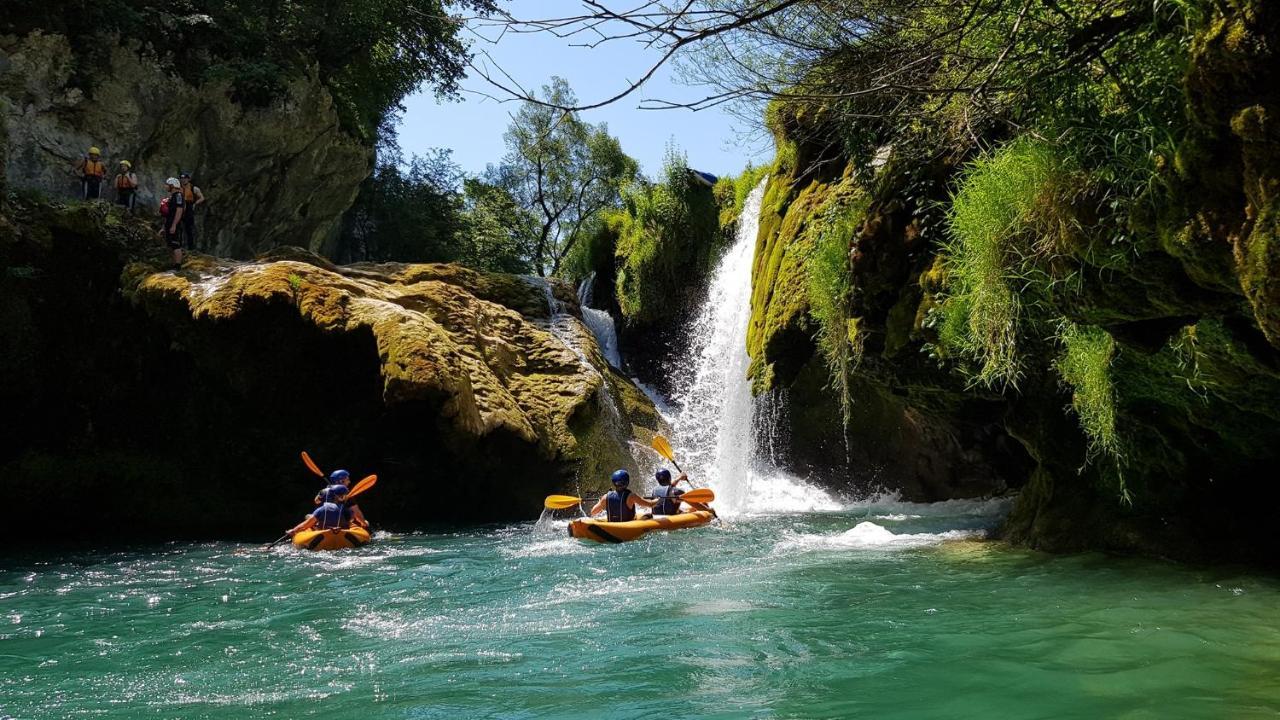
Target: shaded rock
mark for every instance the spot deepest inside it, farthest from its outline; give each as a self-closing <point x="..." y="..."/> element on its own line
<point x="188" y="394"/>
<point x="282" y="175"/>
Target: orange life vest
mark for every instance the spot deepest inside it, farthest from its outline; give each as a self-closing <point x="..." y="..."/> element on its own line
<point x="96" y="169"/>
<point x="189" y="194"/>
<point x="124" y="183"/>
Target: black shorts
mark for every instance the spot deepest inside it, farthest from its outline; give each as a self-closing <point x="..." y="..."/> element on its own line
<point x="173" y="240"/>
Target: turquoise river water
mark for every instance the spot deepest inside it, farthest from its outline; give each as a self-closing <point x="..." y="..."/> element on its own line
<point x="880" y="610"/>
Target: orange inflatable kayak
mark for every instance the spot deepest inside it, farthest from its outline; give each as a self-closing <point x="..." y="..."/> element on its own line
<point x="603" y="531"/>
<point x="337" y="539"/>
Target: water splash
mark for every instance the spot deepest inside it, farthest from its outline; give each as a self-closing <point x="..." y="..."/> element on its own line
<point x="716" y="428"/>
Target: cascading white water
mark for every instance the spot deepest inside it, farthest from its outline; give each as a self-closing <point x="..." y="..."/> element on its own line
<point x="600" y="323"/>
<point x="715" y="428"/>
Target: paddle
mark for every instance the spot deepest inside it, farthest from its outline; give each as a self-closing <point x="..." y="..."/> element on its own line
<point x="664" y="449"/>
<point x="306" y="460"/>
<point x="563" y="502"/>
<point x="358" y="488"/>
<point x="361" y="486"/>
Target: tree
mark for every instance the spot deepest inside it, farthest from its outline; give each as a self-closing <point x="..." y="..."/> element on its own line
<point x="562" y="170"/>
<point x="496" y="230"/>
<point x="412" y="214"/>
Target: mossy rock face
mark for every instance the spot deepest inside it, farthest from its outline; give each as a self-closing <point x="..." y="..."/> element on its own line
<point x="458" y="388"/>
<point x="792" y="216"/>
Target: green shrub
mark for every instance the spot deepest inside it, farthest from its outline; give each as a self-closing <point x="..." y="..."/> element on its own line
<point x="1010" y="213"/>
<point x="668" y="238"/>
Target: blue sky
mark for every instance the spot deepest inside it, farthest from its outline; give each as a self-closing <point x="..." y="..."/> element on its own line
<point x="714" y="141"/>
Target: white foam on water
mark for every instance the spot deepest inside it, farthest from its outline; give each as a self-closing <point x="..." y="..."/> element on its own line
<point x="870" y="536"/>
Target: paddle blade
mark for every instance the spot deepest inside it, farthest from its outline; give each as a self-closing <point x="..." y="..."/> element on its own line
<point x="663" y="447"/>
<point x="361" y="486"/>
<point x="699" y="495"/>
<point x="306" y="460"/>
<point x="560" y="502"/>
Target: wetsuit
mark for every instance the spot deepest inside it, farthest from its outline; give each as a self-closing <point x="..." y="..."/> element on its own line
<point x="617" y="506"/>
<point x="332" y="515"/>
<point x="668" y="504"/>
<point x="172" y="235"/>
<point x="189" y="219"/>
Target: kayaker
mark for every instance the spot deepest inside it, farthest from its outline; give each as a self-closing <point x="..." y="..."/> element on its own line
<point x="620" y="503"/>
<point x="339" y="485"/>
<point x="331" y="515"/>
<point x="667" y="493"/>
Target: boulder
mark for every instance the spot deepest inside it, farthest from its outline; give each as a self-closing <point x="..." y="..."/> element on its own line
<point x="175" y="402"/>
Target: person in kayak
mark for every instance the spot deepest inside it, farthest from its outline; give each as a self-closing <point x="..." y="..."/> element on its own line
<point x="331" y="515"/>
<point x="340" y="485"/>
<point x="667" y="494"/>
<point x="620" y="503"/>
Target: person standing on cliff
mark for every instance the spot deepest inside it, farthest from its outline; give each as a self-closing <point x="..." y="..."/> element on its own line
<point x="194" y="199"/>
<point x="126" y="185"/>
<point x="92" y="171"/>
<point x="172" y="211"/>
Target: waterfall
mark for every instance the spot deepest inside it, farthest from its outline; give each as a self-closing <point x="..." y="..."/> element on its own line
<point x="600" y="323"/>
<point x="715" y="430"/>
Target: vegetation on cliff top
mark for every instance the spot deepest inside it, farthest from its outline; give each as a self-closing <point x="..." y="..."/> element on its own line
<point x="370" y="54"/>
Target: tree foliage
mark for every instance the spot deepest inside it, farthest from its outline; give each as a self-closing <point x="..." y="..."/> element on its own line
<point x="370" y="54"/>
<point x="561" y="170"/>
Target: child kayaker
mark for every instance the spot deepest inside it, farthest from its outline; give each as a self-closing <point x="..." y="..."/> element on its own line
<point x="621" y="503"/>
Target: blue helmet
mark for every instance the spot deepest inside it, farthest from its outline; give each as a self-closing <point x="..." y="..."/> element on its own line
<point x="663" y="476"/>
<point x="335" y="491"/>
<point x="338" y="476"/>
<point x="621" y="477"/>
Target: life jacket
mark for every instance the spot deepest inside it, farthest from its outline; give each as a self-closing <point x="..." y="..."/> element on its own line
<point x="189" y="194"/>
<point x="94" y="169"/>
<point x="331" y="515"/>
<point x="124" y="183"/>
<point x="668" y="500"/>
<point x="619" y="510"/>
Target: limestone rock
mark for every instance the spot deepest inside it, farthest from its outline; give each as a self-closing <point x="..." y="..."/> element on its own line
<point x="189" y="392"/>
<point x="282" y="175"/>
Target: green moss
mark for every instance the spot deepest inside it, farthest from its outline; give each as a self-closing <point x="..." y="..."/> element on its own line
<point x="780" y="337"/>
<point x="838" y="336"/>
<point x="1085" y="365"/>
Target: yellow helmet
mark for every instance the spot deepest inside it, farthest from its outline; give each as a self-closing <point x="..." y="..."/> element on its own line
<point x="94" y="151"/>
<point x="127" y="165"/>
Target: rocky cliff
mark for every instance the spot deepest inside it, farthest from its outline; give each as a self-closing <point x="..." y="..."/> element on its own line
<point x="1116" y="355"/>
<point x="279" y="175"/>
<point x="174" y="403"/>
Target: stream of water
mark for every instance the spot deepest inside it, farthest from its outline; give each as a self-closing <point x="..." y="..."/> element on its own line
<point x="797" y="604"/>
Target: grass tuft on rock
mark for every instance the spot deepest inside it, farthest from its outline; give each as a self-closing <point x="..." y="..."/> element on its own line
<point x="1009" y="213"/>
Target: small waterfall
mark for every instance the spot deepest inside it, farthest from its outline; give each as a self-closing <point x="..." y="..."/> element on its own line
<point x="600" y="323"/>
<point x="568" y="330"/>
<point x="716" y="430"/>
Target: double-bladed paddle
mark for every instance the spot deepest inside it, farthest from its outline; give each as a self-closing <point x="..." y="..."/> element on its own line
<point x="664" y="449"/>
<point x="563" y="502"/>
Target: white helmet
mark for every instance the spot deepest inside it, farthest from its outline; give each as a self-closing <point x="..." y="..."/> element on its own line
<point x="173" y="182"/>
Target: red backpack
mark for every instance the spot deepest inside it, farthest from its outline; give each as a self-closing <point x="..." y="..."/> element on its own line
<point x="164" y="207"/>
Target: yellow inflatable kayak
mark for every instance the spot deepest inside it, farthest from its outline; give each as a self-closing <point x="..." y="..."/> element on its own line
<point x="337" y="539"/>
<point x="617" y="532"/>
